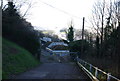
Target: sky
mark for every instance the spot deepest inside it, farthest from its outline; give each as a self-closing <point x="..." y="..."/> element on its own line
<point x="57" y="14"/>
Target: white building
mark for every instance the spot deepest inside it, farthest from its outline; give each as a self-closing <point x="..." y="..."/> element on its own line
<point x="46" y="39"/>
<point x="58" y="48"/>
<point x="57" y="43"/>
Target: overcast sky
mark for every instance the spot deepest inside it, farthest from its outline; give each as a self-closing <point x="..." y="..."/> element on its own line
<point x="57" y="14"/>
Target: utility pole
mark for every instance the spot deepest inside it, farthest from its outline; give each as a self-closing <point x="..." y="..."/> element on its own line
<point x="119" y="13"/>
<point x="39" y="50"/>
<point x="82" y="37"/>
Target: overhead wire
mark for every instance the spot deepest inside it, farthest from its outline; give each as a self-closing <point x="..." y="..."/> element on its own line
<point x="59" y="9"/>
<point x="63" y="11"/>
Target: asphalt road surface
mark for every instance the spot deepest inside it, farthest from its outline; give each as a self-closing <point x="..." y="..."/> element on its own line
<point x="55" y="67"/>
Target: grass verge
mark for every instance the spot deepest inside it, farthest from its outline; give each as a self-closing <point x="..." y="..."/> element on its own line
<point x="15" y="59"/>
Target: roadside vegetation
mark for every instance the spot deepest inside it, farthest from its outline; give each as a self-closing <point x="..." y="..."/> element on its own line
<point x="20" y="42"/>
<point x="16" y="59"/>
<point x="101" y="47"/>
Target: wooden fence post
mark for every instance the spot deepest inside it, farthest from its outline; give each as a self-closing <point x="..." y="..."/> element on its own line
<point x="96" y="72"/>
<point x="90" y="68"/>
<point x="108" y="77"/>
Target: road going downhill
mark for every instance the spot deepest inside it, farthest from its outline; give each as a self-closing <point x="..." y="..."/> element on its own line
<point x="54" y="67"/>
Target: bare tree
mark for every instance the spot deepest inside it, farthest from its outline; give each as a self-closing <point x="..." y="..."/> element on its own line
<point x="22" y="6"/>
<point x="101" y="11"/>
<point x="1" y="5"/>
<point x="116" y="13"/>
<point x="99" y="14"/>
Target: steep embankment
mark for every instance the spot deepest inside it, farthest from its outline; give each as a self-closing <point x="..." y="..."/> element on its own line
<point x="15" y="59"/>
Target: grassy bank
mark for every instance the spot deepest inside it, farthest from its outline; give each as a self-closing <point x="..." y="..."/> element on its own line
<point x="15" y="59"/>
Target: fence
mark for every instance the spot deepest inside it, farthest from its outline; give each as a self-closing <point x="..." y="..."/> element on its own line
<point x="95" y="73"/>
<point x="60" y="52"/>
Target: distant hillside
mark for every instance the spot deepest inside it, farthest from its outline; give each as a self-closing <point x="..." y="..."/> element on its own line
<point x="15" y="59"/>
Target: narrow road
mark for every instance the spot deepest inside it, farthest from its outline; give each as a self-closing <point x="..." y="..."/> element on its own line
<point x="51" y="68"/>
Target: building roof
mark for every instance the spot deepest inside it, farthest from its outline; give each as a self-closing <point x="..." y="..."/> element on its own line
<point x="59" y="47"/>
<point x="57" y="43"/>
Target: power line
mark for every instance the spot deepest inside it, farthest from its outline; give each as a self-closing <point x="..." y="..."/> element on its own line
<point x="65" y="12"/>
<point x="60" y="10"/>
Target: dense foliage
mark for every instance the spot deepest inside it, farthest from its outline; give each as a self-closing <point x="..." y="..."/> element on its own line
<point x="70" y="35"/>
<point x="18" y="30"/>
